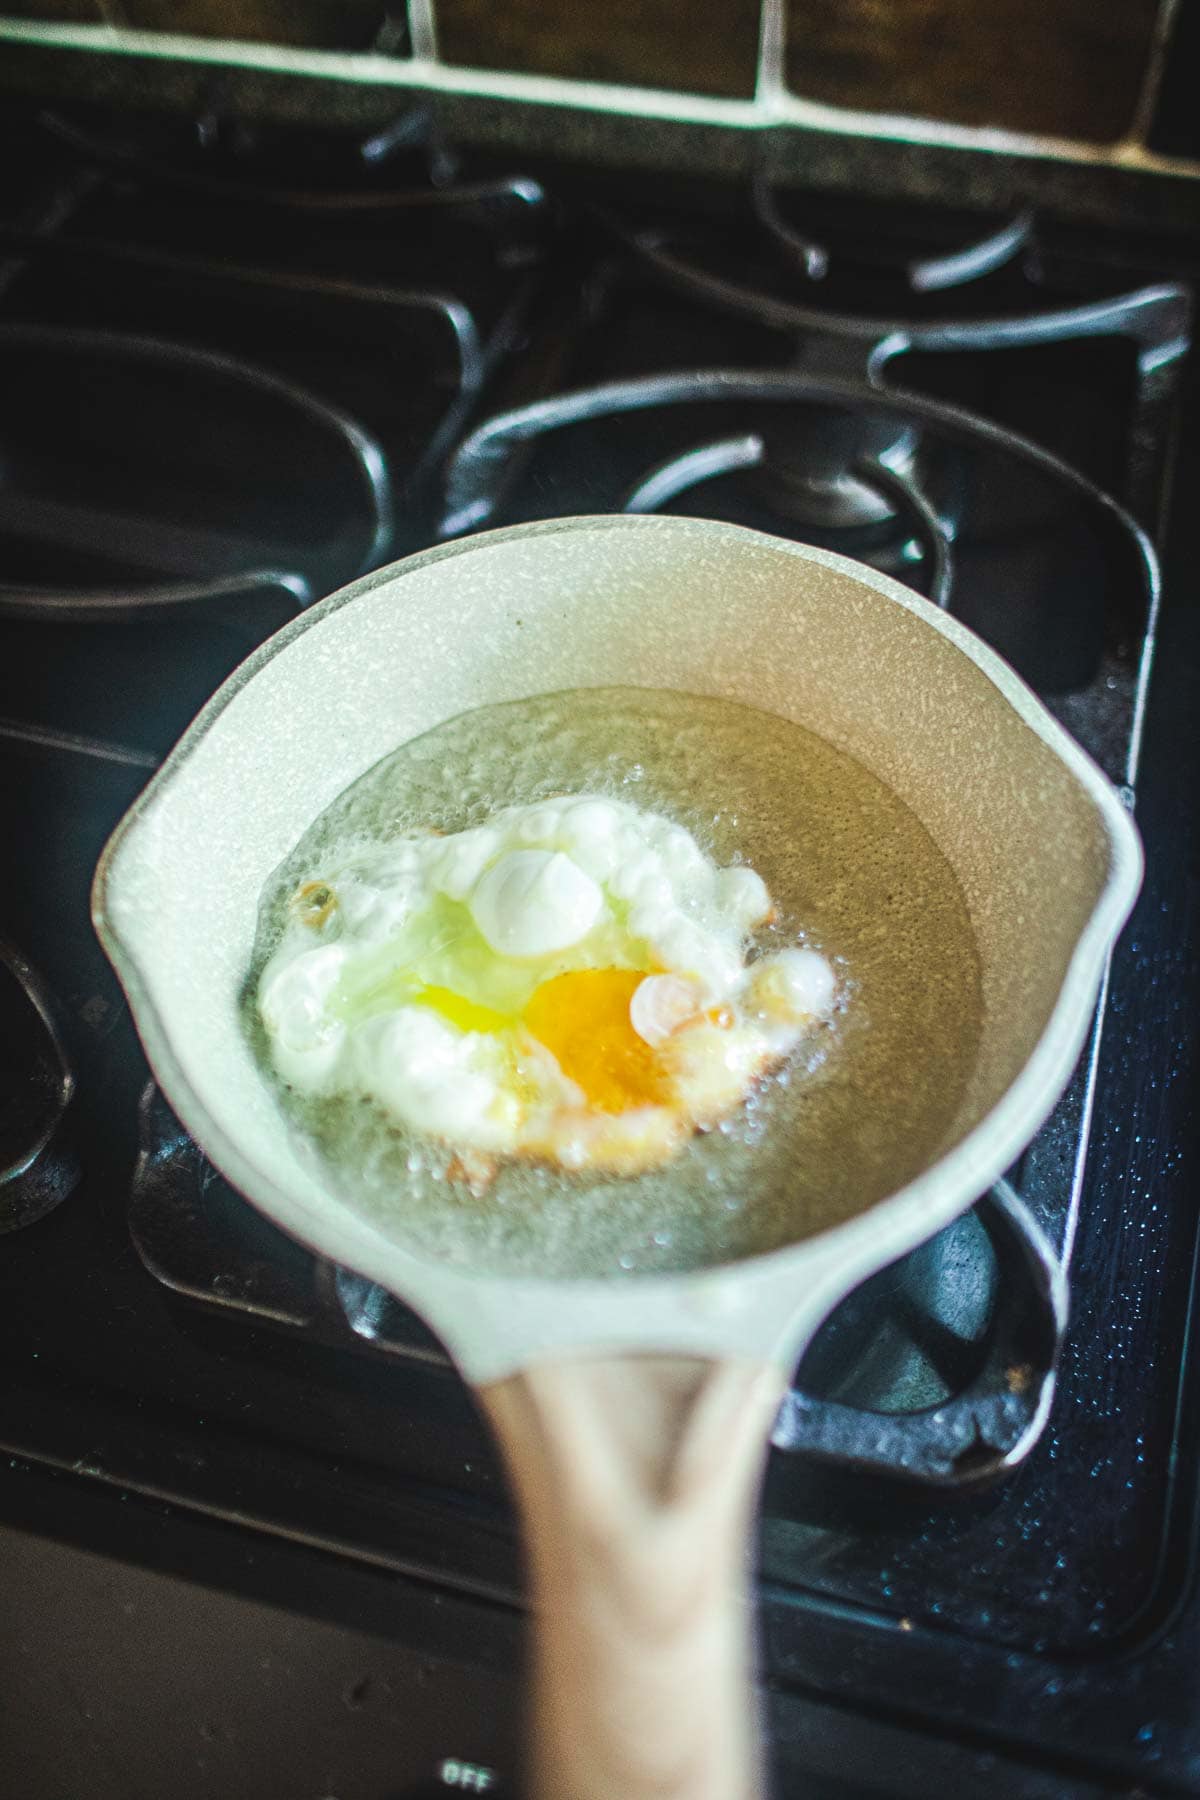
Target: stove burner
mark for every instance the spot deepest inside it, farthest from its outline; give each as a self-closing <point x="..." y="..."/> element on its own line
<point x="501" y="198"/>
<point x="69" y="505"/>
<point x="853" y="335"/>
<point x="940" y="1370"/>
<point x="810" y="500"/>
<point x="833" y="425"/>
<point x="810" y="483"/>
<point x="1036" y="1635"/>
<point x="481" y="473"/>
<point x="928" y="273"/>
<point x="38" y="1166"/>
<point x="809" y="475"/>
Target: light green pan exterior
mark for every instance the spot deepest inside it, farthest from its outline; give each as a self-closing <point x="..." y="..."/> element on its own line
<point x="1047" y="855"/>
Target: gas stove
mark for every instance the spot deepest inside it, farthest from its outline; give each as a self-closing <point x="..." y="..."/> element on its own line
<point x="244" y="365"/>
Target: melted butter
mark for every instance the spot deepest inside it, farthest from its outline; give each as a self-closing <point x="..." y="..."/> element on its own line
<point x="866" y="1103"/>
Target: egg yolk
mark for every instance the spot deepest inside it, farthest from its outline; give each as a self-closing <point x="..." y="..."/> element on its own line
<point x="582" y="1018"/>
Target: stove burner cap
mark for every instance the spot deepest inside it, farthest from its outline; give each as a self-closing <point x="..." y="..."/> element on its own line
<point x="807" y="473"/>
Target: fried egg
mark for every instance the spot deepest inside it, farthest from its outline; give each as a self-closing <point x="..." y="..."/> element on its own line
<point x="568" y="982"/>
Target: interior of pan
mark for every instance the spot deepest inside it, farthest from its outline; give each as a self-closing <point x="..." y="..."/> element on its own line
<point x="1045" y="857"/>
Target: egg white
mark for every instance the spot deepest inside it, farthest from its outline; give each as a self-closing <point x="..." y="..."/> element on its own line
<point x="405" y="968"/>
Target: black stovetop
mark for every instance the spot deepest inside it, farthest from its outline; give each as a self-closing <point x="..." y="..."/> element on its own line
<point x="243" y="366"/>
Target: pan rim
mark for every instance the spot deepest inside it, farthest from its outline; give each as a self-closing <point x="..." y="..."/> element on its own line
<point x="835" y="1257"/>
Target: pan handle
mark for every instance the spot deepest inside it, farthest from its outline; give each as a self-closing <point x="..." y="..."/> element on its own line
<point x="636" y="1478"/>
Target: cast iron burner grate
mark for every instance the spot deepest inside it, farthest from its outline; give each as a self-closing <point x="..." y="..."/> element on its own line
<point x="372" y="336"/>
<point x="226" y="395"/>
<point x="401" y="171"/>
<point x="951" y="1380"/>
<point x="876" y="308"/>
<point x="956" y="255"/>
<point x="940" y="1369"/>
<point x="682" y="356"/>
<point x="38" y="1164"/>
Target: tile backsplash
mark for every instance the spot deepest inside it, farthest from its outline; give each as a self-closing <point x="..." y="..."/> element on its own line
<point x="70" y="12"/>
<point x="1061" y="68"/>
<point x="309" y="24"/>
<point x="699" y="46"/>
<point x="1082" y="70"/>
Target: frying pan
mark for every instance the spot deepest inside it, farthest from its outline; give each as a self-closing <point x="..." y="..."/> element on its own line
<point x="633" y="1413"/>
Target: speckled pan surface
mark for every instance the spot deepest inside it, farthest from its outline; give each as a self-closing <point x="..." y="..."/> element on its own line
<point x="1047" y="856"/>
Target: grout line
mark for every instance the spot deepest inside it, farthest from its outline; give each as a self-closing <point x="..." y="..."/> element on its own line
<point x="1156" y="68"/>
<point x="422" y="72"/>
<point x="770" y="85"/>
<point x="422" y="30"/>
<point x="389" y="71"/>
